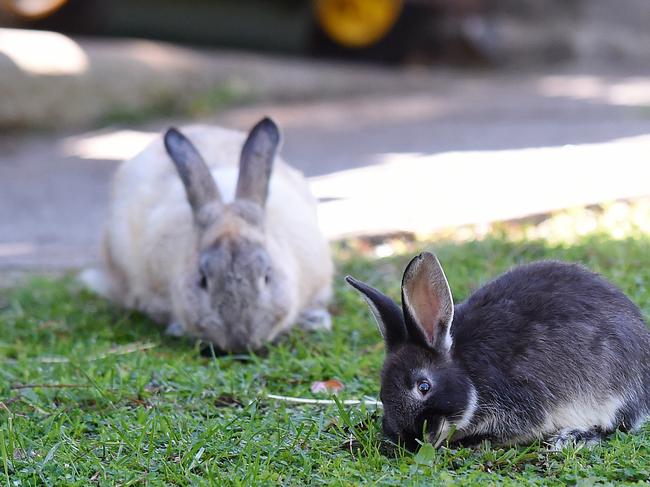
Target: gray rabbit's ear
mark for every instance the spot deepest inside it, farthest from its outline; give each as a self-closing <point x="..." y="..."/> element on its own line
<point x="256" y="162"/>
<point x="200" y="186"/>
<point x="387" y="313"/>
<point x="427" y="303"/>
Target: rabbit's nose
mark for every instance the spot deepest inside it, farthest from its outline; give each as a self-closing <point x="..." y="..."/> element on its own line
<point x="239" y="341"/>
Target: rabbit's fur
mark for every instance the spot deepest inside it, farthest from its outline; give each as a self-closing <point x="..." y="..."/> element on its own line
<point x="238" y="265"/>
<point x="547" y="351"/>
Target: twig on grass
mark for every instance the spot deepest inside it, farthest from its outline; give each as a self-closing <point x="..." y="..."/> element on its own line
<point x="4" y="406"/>
<point x="304" y="400"/>
<point x="51" y="386"/>
<point x="126" y="349"/>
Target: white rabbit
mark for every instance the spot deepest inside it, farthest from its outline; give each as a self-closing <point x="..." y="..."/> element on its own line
<point x="231" y="255"/>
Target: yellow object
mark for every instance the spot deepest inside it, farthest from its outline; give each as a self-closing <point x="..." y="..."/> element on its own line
<point x="32" y="9"/>
<point x="357" y="23"/>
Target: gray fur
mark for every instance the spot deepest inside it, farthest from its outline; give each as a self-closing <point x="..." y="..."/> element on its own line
<point x="548" y="350"/>
<point x="256" y="162"/>
<point x="200" y="187"/>
<point x="384" y="315"/>
<point x="238" y="293"/>
<point x="245" y="291"/>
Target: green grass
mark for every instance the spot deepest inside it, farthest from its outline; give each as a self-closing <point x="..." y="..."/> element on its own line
<point x="159" y="414"/>
<point x="167" y="104"/>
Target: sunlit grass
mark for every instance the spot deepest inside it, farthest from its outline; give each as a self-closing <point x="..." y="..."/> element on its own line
<point x="127" y="405"/>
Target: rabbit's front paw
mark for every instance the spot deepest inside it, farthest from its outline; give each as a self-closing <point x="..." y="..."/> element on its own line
<point x="573" y="436"/>
<point x="315" y="319"/>
<point x="175" y="329"/>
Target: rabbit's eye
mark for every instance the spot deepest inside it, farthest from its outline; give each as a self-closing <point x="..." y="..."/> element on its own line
<point x="424" y="386"/>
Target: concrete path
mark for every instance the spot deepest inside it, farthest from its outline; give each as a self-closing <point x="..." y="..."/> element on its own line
<point x="460" y="147"/>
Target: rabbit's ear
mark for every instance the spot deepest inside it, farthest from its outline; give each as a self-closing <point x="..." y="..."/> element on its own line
<point x="256" y="162"/>
<point x="427" y="303"/>
<point x="200" y="187"/>
<point x="387" y="313"/>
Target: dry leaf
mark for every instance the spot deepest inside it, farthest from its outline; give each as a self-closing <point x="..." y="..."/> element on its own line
<point x="227" y="400"/>
<point x="333" y="385"/>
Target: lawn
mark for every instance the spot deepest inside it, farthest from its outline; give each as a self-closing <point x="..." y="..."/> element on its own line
<point x="93" y="394"/>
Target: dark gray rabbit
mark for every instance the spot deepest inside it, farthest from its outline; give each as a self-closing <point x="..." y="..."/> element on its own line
<point x="547" y="351"/>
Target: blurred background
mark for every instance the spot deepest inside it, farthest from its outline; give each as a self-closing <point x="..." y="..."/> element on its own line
<point x="411" y="118"/>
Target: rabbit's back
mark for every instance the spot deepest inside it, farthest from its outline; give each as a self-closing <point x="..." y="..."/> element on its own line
<point x="553" y="345"/>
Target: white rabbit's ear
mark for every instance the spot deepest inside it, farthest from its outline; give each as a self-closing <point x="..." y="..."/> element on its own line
<point x="256" y="162"/>
<point x="427" y="303"/>
<point x="386" y="312"/>
<point x="200" y="187"/>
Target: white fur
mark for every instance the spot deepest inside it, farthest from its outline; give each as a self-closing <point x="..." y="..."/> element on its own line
<point x="438" y="437"/>
<point x="448" y="339"/>
<point x="583" y="414"/>
<point x="150" y="241"/>
<point x="580" y="414"/>
<point x="564" y="438"/>
<point x="468" y="414"/>
<point x="96" y="280"/>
